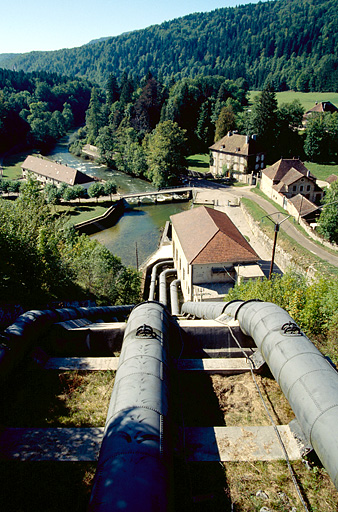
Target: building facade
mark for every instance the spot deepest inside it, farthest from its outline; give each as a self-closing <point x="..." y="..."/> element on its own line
<point x="208" y="253"/>
<point x="236" y="154"/>
<point x="286" y="179"/>
<point x="47" y="171"/>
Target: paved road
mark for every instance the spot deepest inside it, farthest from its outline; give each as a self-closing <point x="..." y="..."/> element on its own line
<point x="289" y="228"/>
<point x="223" y="194"/>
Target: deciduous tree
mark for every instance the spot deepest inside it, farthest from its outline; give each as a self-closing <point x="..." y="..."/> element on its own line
<point x="165" y="150"/>
<point x="328" y="220"/>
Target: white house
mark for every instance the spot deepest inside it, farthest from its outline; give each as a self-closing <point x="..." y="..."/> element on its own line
<point x="209" y="252"/>
<point x="47" y="171"/>
<point x="288" y="178"/>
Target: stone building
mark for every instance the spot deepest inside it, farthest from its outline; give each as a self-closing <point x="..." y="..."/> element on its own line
<point x="209" y="253"/>
<point x="288" y="178"/>
<point x="236" y="155"/>
<point x="47" y="171"/>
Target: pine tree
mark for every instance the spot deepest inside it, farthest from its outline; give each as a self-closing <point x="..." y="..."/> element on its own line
<point x="264" y="121"/>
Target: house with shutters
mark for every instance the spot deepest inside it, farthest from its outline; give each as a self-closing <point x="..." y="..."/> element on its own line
<point x="55" y="173"/>
<point x="286" y="179"/>
<point x="210" y="254"/>
<point x="236" y="155"/>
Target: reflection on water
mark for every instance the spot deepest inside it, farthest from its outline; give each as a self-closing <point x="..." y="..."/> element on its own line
<point x="141" y="225"/>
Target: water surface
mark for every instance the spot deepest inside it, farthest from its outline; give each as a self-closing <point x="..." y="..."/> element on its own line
<point x="142" y="225"/>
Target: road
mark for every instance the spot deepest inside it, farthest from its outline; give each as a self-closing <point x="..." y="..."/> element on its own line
<point x="222" y="194"/>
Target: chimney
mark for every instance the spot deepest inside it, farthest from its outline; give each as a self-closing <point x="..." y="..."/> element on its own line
<point x="247" y="138"/>
<point x="229" y="134"/>
<point x="254" y="136"/>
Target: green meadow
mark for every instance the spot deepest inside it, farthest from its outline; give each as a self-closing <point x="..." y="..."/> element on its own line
<point x="307" y="99"/>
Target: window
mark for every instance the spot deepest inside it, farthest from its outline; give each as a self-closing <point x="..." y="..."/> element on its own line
<point x="308" y="188"/>
<point x="301" y="188"/>
<point x="183" y="274"/>
<point x="294" y="188"/>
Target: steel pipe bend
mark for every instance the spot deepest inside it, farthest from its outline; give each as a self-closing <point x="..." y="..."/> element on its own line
<point x="163" y="285"/>
<point x="307" y="379"/>
<point x="174" y="302"/>
<point x="154" y="276"/>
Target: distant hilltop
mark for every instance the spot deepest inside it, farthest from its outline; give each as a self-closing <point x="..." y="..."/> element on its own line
<point x="292" y="45"/>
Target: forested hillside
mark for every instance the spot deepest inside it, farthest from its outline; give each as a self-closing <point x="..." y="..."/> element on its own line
<point x="289" y="43"/>
<point x="36" y="109"/>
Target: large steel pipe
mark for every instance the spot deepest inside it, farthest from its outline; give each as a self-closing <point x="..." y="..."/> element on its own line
<point x="307" y="379"/>
<point x="163" y="297"/>
<point x="174" y="302"/>
<point x="19" y="337"/>
<point x="154" y="276"/>
<point x="133" y="472"/>
<point x="206" y="310"/>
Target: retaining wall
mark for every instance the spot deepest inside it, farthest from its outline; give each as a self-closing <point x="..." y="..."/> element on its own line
<point x="108" y="219"/>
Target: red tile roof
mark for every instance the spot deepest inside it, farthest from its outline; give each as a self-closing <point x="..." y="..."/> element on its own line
<point x="303" y="205"/>
<point x="332" y="178"/>
<point x="209" y="236"/>
<point x="237" y="144"/>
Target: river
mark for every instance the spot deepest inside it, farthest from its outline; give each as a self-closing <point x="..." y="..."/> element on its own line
<point x="140" y="225"/>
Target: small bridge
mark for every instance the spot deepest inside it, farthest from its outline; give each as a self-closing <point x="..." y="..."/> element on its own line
<point x="173" y="191"/>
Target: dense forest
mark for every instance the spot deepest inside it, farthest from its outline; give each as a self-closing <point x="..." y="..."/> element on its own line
<point x="147" y="129"/>
<point x="292" y="44"/>
<point x="38" y="108"/>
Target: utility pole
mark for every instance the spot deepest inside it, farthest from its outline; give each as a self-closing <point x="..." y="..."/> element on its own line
<point x="136" y="251"/>
<point x="273" y="250"/>
<point x="277" y="224"/>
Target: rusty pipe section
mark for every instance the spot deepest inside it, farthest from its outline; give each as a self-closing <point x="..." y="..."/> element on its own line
<point x="134" y="467"/>
<point x="307" y="379"/>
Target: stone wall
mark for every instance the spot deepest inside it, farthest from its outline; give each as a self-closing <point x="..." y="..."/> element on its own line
<point x="283" y="259"/>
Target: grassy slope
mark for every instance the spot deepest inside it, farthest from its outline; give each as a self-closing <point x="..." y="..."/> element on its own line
<point x="307" y="99"/>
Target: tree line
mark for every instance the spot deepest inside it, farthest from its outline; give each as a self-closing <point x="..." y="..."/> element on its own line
<point x="147" y="129"/>
<point x="292" y="45"/>
<point x="36" y="109"/>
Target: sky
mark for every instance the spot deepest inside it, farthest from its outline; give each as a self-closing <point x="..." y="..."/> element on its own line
<point x="54" y="24"/>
